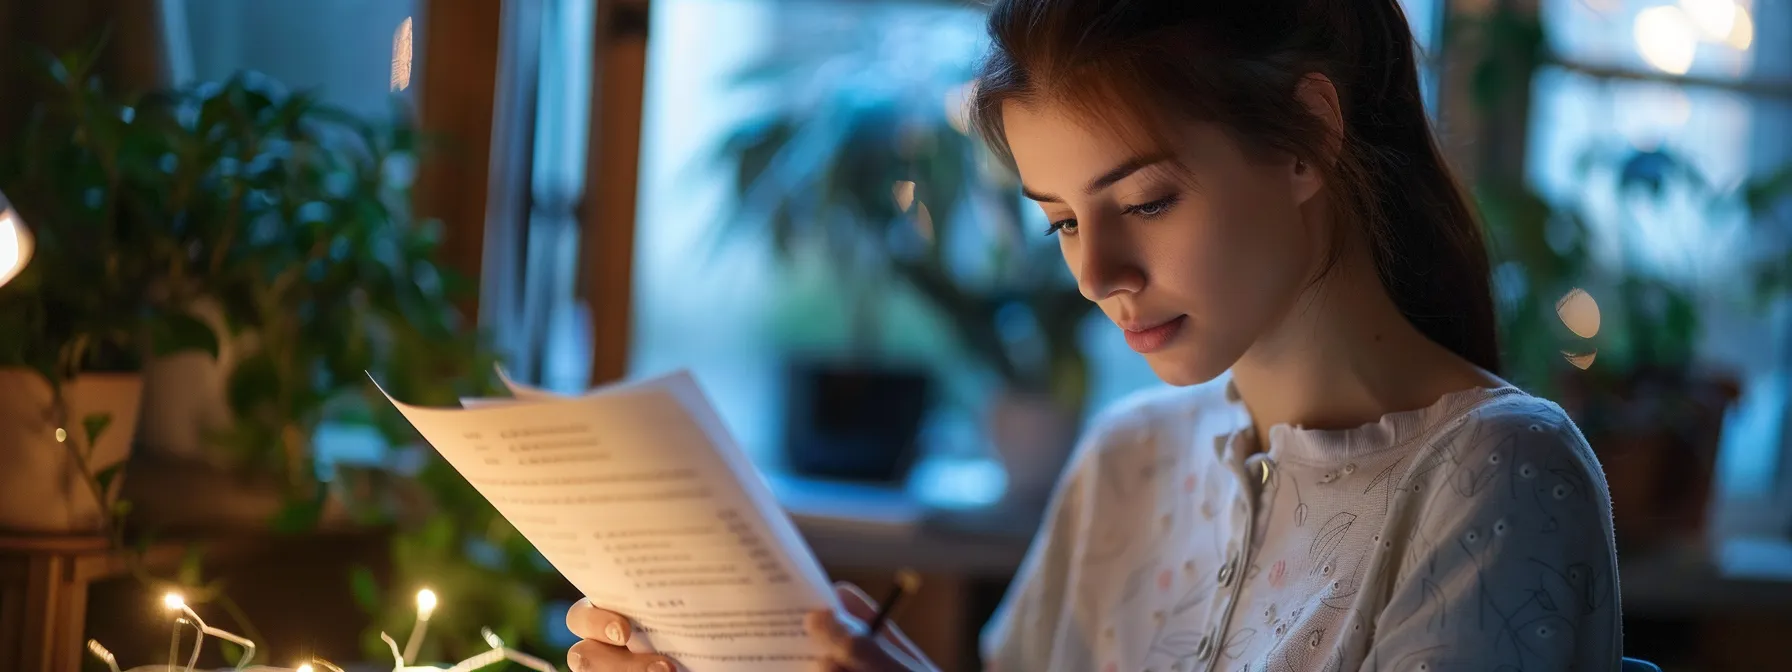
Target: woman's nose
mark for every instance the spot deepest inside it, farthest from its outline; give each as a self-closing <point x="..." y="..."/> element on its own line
<point x="1106" y="265"/>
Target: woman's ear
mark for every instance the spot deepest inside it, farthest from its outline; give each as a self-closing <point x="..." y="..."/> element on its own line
<point x="1320" y="97"/>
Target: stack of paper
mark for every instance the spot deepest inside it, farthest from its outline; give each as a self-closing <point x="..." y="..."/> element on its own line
<point x="639" y="496"/>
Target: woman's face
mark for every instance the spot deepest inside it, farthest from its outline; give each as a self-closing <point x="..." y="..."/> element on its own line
<point x="1195" y="270"/>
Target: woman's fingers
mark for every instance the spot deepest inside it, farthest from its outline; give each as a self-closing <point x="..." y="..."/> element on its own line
<point x="850" y="651"/>
<point x="594" y="656"/>
<point x="589" y="622"/>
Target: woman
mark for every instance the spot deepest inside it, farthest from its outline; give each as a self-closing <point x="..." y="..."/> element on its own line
<point x="1339" y="481"/>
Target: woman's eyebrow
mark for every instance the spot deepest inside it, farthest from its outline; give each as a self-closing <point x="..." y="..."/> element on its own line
<point x="1105" y="180"/>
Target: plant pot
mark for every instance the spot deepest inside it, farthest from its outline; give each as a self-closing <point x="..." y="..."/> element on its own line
<point x="42" y="490"/>
<point x="1656" y="435"/>
<point x="1034" y="437"/>
<point x="185" y="394"/>
<point x="854" y="421"/>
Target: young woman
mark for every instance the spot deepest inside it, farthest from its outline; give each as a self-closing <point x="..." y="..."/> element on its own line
<point x="1338" y="480"/>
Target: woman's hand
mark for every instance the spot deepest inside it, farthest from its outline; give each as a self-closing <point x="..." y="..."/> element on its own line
<point x="605" y="648"/>
<point x="849" y="649"/>
<point x="605" y="645"/>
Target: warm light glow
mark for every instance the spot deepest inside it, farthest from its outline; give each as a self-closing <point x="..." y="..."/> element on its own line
<point x="303" y="668"/>
<point x="173" y="601"/>
<point x="15" y="243"/>
<point x="1579" y="312"/>
<point x="1715" y="18"/>
<point x="1742" y="32"/>
<point x="904" y="192"/>
<point x="401" y="56"/>
<point x="1581" y="362"/>
<point x="923" y="222"/>
<point x="61" y="435"/>
<point x="426" y="603"/>
<point x="1666" y="39"/>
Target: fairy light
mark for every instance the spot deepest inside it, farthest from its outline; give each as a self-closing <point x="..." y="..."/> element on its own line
<point x="426" y="606"/>
<point x="499" y="652"/>
<point x="100" y="652"/>
<point x="174" y="602"/>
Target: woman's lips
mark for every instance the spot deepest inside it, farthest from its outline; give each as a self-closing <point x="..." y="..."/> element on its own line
<point x="1154" y="338"/>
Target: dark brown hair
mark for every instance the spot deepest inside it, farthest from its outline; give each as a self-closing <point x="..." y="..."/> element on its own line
<point x="1238" y="63"/>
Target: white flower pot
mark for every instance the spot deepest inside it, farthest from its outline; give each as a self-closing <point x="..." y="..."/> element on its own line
<point x="42" y="490"/>
<point x="184" y="394"/>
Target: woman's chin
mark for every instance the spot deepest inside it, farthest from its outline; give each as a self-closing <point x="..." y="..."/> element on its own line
<point x="1185" y="366"/>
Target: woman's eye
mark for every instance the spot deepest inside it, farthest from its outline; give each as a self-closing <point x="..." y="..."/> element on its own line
<point x="1062" y="225"/>
<point x="1154" y="208"/>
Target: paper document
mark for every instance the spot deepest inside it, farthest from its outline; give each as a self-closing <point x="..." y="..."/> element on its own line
<point x="640" y="497"/>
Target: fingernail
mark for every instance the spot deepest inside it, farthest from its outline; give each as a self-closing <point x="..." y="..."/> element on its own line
<point x="614" y="632"/>
<point x="659" y="666"/>
<point x="575" y="661"/>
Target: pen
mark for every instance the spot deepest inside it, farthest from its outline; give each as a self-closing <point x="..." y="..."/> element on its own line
<point x="907" y="582"/>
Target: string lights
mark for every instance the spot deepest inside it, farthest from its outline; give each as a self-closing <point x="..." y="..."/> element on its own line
<point x="402" y="660"/>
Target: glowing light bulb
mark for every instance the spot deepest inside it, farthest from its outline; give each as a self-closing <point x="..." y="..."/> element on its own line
<point x="306" y="667"/>
<point x="15" y="243"/>
<point x="426" y="603"/>
<point x="1666" y="39"/>
<point x="173" y="601"/>
<point x="61" y="435"/>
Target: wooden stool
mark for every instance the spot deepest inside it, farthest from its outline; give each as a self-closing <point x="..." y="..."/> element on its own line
<point x="43" y="599"/>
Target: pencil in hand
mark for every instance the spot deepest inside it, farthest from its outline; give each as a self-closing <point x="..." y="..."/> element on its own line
<point x="907" y="582"/>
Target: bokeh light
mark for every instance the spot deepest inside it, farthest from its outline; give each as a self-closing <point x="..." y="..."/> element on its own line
<point x="401" y="56"/>
<point x="904" y="193"/>
<point x="1666" y="39"/>
<point x="1579" y="312"/>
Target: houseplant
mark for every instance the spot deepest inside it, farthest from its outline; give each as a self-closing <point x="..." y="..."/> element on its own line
<point x="84" y="314"/>
<point x="1651" y="410"/>
<point x="242" y="214"/>
<point x="864" y="167"/>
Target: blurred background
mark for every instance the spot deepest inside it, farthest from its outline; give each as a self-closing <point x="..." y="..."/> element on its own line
<point x="218" y="214"/>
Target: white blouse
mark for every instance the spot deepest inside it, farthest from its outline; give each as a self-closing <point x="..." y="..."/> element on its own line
<point x="1475" y="534"/>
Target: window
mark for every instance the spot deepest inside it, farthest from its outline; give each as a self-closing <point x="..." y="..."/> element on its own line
<point x="731" y="317"/>
<point x="341" y="49"/>
<point x="1695" y="78"/>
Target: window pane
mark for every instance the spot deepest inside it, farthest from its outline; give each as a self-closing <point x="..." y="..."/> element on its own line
<point x="1696" y="37"/>
<point x="732" y="316"/>
<point x="1585" y="128"/>
<point x="340" y="49"/>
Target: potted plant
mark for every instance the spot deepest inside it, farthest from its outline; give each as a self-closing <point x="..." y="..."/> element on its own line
<point x="84" y="314"/>
<point x="865" y="169"/>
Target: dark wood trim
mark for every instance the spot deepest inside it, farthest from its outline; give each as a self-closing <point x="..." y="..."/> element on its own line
<point x="457" y="77"/>
<point x="607" y="244"/>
